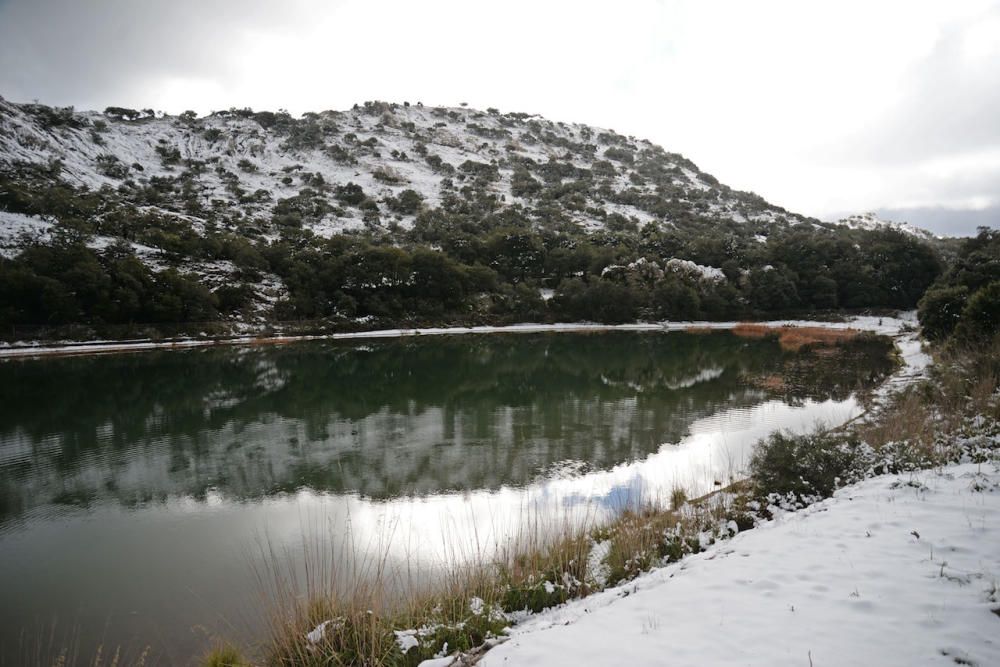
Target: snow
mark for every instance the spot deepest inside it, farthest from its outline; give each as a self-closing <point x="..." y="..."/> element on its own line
<point x="318" y="634"/>
<point x="896" y="570"/>
<point x="684" y="266"/>
<point x="406" y="639"/>
<point x="476" y="606"/>
<point x="18" y="230"/>
<point x="598" y="571"/>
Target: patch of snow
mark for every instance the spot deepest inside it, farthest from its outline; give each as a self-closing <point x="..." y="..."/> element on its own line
<point x="476" y="606"/>
<point x="318" y="634"/>
<point x="406" y="639"/>
<point x="687" y="267"/>
<point x="18" y="230"/>
<point x="598" y="571"/>
<point x="896" y="570"/>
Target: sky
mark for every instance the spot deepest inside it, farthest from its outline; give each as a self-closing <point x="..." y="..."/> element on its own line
<point x="827" y="108"/>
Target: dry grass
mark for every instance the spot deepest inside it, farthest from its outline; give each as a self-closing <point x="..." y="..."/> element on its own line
<point x="365" y="605"/>
<point x="794" y="339"/>
<point x="751" y="330"/>
<point x="58" y="652"/>
<point x="964" y="383"/>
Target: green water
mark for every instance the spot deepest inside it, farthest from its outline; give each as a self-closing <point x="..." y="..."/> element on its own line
<point x="134" y="487"/>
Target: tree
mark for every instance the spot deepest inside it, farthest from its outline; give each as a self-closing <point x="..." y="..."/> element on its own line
<point x="122" y="113"/>
<point x="772" y="289"/>
<point x="674" y="300"/>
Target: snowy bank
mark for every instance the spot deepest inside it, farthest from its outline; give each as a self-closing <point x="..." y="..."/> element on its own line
<point x="896" y="570"/>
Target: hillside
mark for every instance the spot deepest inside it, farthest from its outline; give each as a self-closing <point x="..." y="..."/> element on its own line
<point x="396" y="211"/>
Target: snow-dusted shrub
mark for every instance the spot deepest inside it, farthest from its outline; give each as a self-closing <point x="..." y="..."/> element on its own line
<point x="111" y="166"/>
<point x="804" y="465"/>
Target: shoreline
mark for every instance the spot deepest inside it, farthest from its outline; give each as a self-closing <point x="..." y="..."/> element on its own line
<point x="890" y="326"/>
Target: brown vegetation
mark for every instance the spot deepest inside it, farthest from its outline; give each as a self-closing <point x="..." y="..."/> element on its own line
<point x="793" y="339"/>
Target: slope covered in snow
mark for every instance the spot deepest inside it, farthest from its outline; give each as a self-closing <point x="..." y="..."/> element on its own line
<point x="896" y="570"/>
<point x="872" y="222"/>
<point x="253" y="161"/>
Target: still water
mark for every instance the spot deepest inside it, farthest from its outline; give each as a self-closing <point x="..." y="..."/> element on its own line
<point x="137" y="491"/>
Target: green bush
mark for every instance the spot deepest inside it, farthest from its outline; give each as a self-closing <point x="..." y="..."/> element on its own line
<point x="224" y="656"/>
<point x="803" y="465"/>
<point x="980" y="319"/>
<point x="940" y="310"/>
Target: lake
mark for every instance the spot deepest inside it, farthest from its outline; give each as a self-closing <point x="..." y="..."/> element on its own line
<point x="140" y="493"/>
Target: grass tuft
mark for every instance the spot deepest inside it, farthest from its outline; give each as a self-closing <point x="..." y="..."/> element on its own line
<point x="224" y="656"/>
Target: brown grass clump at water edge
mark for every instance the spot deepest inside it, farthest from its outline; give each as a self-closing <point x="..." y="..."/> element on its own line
<point x="793" y="338"/>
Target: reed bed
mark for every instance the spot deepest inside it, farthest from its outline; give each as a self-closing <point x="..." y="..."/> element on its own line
<point x="794" y="339"/>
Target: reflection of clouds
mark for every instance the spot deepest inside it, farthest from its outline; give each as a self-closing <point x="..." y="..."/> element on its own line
<point x="620" y="497"/>
<point x="451" y="527"/>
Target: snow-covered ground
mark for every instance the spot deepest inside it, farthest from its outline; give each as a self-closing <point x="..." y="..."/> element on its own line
<point x="896" y="570"/>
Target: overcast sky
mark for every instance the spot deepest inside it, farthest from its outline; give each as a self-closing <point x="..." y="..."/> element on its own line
<point x="825" y="108"/>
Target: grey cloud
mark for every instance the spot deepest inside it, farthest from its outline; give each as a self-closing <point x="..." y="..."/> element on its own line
<point x="96" y="53"/>
<point x="945" y="221"/>
<point x="947" y="107"/>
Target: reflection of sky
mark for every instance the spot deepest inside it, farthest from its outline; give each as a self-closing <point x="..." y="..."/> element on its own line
<point x="715" y="452"/>
<point x="186" y="560"/>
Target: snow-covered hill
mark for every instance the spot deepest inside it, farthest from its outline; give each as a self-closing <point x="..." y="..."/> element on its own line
<point x="251" y="161"/>
<point x="871" y="221"/>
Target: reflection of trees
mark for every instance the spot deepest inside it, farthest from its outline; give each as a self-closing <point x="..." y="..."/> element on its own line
<point x="835" y="372"/>
<point x="387" y="417"/>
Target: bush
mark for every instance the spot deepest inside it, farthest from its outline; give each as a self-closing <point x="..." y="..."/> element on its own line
<point x="804" y="465"/>
<point x="408" y="202"/>
<point x="351" y="194"/>
<point x="940" y="310"/>
<point x="980" y="318"/>
<point x="620" y="154"/>
<point x="111" y="166"/>
<point x="224" y="656"/>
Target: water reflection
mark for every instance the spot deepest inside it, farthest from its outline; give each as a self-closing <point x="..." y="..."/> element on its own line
<point x="383" y="419"/>
<point x="150" y="473"/>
